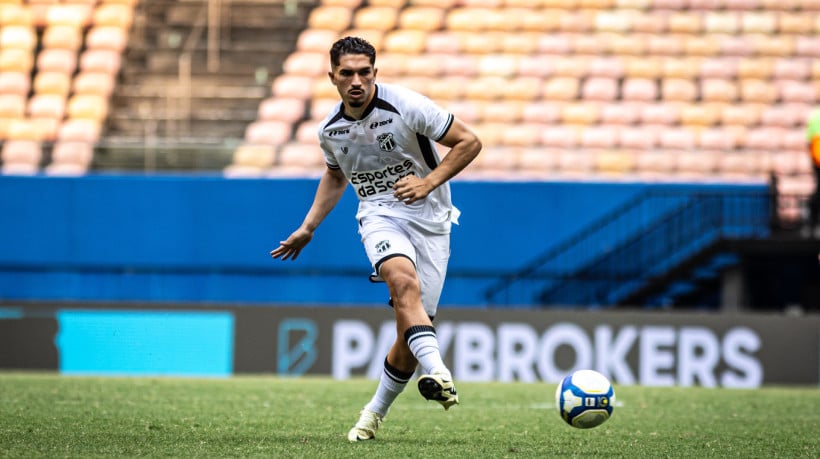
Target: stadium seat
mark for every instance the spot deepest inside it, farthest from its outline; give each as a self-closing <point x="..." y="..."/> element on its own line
<point x="544" y="112"/>
<point x="757" y="91"/>
<point x="639" y="89"/>
<point x="306" y="63"/>
<point x="660" y="114"/>
<point x="12" y="105"/>
<point x="652" y="165"/>
<point x="678" y="90"/>
<point x="18" y="37"/>
<point x="599" y="137"/>
<point x="580" y="113"/>
<point x="21" y="157"/>
<point x="57" y="60"/>
<point x="88" y="106"/>
<point x="560" y="88"/>
<point x="51" y="82"/>
<point x="600" y="89"/>
<point x="15" y="13"/>
<point x="107" y="37"/>
<point x="299" y="159"/>
<point x="288" y="109"/>
<point x="554" y="44"/>
<point x="307" y="132"/>
<point x="100" y="60"/>
<point x="15" y="83"/>
<point x="335" y="18"/>
<point x="699" y="115"/>
<point x="637" y="138"/>
<point x="623" y="113"/>
<point x="47" y="105"/>
<point x="560" y="136"/>
<point x="256" y="156"/>
<point x="316" y="40"/>
<point x="99" y="83"/>
<point x="298" y="86"/>
<point x="268" y="132"/>
<point x="405" y="41"/>
<point x="537" y="162"/>
<point x="521" y="135"/>
<point x="575" y="164"/>
<point x="16" y="60"/>
<point x="422" y="18"/>
<point x="696" y="165"/>
<point x="70" y="158"/>
<point x="113" y="14"/>
<point x="718" y="90"/>
<point x="375" y="17"/>
<point x="69" y="14"/>
<point x="504" y="111"/>
<point x="616" y="163"/>
<point x="79" y="130"/>
<point x="62" y="37"/>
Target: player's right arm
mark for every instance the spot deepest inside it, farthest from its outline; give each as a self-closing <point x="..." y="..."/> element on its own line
<point x="331" y="187"/>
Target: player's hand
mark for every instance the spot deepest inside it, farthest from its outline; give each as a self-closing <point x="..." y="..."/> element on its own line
<point x="293" y="245"/>
<point x="410" y="189"/>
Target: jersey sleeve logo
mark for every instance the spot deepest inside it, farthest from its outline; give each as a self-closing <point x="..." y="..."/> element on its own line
<point x="386" y="142"/>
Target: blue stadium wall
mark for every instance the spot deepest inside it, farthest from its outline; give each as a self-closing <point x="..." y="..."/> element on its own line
<point x="207" y="239"/>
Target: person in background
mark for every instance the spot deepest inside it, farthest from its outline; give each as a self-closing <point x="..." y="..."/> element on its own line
<point x="381" y="139"/>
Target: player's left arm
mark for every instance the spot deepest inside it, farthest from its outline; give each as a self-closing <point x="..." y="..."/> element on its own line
<point x="464" y="147"/>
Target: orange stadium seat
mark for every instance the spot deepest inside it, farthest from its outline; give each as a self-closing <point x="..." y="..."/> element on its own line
<point x="79" y="130"/>
<point x="422" y="18"/>
<point x="100" y="60"/>
<point x="16" y="60"/>
<point x="307" y="63"/>
<point x="107" y="37"/>
<point x="113" y="14"/>
<point x="100" y="83"/>
<point x="268" y="132"/>
<point x="47" y="106"/>
<point x="69" y="14"/>
<point x="639" y="89"/>
<point x="57" y="60"/>
<point x="16" y="14"/>
<point x="622" y="113"/>
<point x="376" y="18"/>
<point x="718" y="90"/>
<point x="288" y="109"/>
<point x="637" y="138"/>
<point x="70" y="158"/>
<point x="12" y="105"/>
<point x="678" y="90"/>
<point x="88" y="106"/>
<point x="62" y="37"/>
<point x="18" y="37"/>
<point x="15" y="83"/>
<point x="25" y="154"/>
<point x="316" y="40"/>
<point x="405" y="41"/>
<point x="51" y="82"/>
<point x="335" y="18"/>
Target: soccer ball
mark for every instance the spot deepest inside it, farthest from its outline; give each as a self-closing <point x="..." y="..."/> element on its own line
<point x="584" y="399"/>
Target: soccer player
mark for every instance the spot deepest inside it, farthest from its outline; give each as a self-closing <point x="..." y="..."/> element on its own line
<point x="813" y="140"/>
<point x="381" y="140"/>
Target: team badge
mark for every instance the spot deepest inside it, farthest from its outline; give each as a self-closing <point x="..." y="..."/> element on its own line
<point x="382" y="246"/>
<point x="386" y="142"/>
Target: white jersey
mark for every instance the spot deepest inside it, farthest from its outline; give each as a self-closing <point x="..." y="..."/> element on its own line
<point x="395" y="137"/>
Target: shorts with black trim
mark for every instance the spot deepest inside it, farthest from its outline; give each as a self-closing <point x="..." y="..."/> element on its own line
<point x="385" y="237"/>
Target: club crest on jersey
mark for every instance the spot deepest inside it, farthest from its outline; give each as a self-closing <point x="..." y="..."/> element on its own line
<point x="382" y="246"/>
<point x="386" y="142"/>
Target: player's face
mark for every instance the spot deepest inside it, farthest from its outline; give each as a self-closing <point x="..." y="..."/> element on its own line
<point x="355" y="79"/>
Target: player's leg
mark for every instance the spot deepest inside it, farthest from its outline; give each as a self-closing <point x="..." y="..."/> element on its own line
<point x="432" y="255"/>
<point x="393" y="380"/>
<point x="383" y="240"/>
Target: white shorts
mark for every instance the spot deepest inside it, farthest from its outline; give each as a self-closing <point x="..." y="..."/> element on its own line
<point x="386" y="237"/>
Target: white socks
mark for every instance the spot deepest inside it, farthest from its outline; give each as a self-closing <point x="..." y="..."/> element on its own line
<point x="391" y="384"/>
<point x="424" y="345"/>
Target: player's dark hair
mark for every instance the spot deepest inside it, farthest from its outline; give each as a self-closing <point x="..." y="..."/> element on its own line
<point x="351" y="45"/>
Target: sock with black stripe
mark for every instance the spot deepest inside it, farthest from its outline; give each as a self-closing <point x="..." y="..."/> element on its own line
<point x="391" y="384"/>
<point x="423" y="344"/>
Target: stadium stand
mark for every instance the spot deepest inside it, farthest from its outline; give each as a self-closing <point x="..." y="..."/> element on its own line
<point x="42" y="45"/>
<point x="647" y="90"/>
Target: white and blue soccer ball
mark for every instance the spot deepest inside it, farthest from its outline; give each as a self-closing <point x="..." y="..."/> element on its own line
<point x="585" y="399"/>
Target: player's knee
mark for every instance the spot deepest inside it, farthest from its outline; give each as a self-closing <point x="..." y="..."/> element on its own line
<point x="402" y="285"/>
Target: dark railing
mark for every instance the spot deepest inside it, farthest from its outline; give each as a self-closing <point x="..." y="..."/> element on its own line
<point x="628" y="247"/>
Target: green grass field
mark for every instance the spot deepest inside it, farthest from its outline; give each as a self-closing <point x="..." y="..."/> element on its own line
<point x="45" y="415"/>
